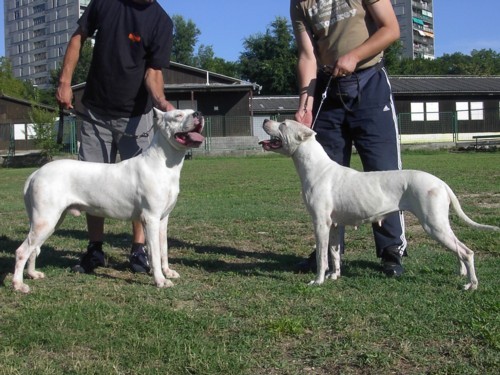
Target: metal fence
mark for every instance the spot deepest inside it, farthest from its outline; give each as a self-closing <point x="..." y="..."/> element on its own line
<point x="445" y="127"/>
<point x="241" y="134"/>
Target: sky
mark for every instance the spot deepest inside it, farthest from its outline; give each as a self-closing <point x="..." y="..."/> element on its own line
<point x="459" y="25"/>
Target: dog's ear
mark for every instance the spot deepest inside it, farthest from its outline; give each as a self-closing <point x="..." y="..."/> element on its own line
<point x="159" y="116"/>
<point x="304" y="133"/>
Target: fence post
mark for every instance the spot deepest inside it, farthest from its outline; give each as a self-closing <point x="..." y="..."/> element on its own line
<point x="455" y="126"/>
<point x="12" y="143"/>
<point x="73" y="149"/>
<point x="208" y="138"/>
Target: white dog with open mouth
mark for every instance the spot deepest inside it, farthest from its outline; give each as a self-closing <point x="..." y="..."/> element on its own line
<point x="143" y="188"/>
<point x="336" y="195"/>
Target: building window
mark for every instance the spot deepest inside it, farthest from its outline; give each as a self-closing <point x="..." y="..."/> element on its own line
<point x="417" y="111"/>
<point x="39" y="8"/>
<point x="469" y="111"/>
<point x="421" y="111"/>
<point x="476" y="111"/>
<point x="39" y="32"/>
<point x="40" y="68"/>
<point x="40" y="56"/>
<point x="432" y="111"/>
<point x="40" y="44"/>
<point x="39" y="20"/>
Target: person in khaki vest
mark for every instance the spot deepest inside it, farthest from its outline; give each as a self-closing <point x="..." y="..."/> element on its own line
<point x="346" y="97"/>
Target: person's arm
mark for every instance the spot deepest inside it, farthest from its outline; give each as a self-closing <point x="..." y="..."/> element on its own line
<point x="306" y="77"/>
<point x="64" y="93"/>
<point x="388" y="32"/>
<point x="155" y="86"/>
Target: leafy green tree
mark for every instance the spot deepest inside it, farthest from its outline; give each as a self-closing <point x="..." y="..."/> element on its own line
<point x="270" y="59"/>
<point x="393" y="56"/>
<point x="81" y="69"/>
<point x="205" y="59"/>
<point x="43" y="122"/>
<point x="485" y="62"/>
<point x="478" y="63"/>
<point x="185" y="38"/>
<point x="11" y="86"/>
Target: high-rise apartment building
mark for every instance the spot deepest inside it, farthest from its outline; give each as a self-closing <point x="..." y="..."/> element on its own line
<point x="36" y="35"/>
<point x="416" y="21"/>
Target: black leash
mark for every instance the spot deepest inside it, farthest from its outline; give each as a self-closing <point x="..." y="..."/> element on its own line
<point x="60" y="128"/>
<point x="87" y="118"/>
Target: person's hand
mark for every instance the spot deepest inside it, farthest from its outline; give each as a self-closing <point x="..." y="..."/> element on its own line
<point x="345" y="65"/>
<point x="64" y="95"/>
<point x="165" y="106"/>
<point x="304" y="116"/>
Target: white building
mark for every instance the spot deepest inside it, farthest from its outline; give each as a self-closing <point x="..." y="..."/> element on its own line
<point x="36" y="35"/>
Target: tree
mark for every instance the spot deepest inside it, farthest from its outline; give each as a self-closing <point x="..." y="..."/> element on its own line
<point x="478" y="63"/>
<point x="484" y="62"/>
<point x="81" y="69"/>
<point x="11" y="86"/>
<point x="45" y="138"/>
<point x="205" y="59"/>
<point x="393" y="56"/>
<point x="185" y="38"/>
<point x="270" y="59"/>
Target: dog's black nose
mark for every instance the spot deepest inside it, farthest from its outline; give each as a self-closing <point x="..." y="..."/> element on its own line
<point x="198" y="114"/>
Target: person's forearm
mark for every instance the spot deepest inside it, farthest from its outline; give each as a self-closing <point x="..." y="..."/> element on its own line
<point x="64" y="93"/>
<point x="306" y="74"/>
<point x="71" y="58"/>
<point x="379" y="41"/>
<point x="155" y="86"/>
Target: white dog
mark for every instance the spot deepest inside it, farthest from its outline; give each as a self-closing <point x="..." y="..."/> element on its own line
<point x="338" y="195"/>
<point x="143" y="188"/>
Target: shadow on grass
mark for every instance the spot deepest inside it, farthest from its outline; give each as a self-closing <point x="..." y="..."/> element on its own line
<point x="213" y="258"/>
<point x="230" y="259"/>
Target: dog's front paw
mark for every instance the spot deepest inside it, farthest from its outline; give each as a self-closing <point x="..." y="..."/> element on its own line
<point x="316" y="282"/>
<point x="170" y="274"/>
<point x="470" y="286"/>
<point x="21" y="287"/>
<point x="36" y="275"/>
<point x="333" y="275"/>
<point x="164" y="283"/>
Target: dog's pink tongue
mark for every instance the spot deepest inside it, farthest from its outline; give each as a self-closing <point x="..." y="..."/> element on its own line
<point x="194" y="137"/>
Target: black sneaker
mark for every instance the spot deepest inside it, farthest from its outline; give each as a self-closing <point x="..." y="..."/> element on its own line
<point x="139" y="259"/>
<point x="307" y="265"/>
<point x="93" y="258"/>
<point x="391" y="261"/>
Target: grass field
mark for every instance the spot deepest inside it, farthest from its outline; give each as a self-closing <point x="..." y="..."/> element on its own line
<point x="235" y="236"/>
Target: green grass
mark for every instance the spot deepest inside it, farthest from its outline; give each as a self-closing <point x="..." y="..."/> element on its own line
<point x="237" y="232"/>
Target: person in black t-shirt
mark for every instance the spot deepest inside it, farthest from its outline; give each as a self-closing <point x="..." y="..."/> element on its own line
<point x="133" y="42"/>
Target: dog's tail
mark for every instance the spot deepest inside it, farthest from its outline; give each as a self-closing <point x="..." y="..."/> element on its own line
<point x="461" y="214"/>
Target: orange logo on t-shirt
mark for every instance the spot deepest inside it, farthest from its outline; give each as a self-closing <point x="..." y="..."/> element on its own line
<point x="134" y="37"/>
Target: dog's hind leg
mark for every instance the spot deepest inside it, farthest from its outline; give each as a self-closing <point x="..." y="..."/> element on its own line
<point x="23" y="252"/>
<point x="27" y="252"/>
<point x="167" y="271"/>
<point x="465" y="255"/>
<point x="40" y="229"/>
